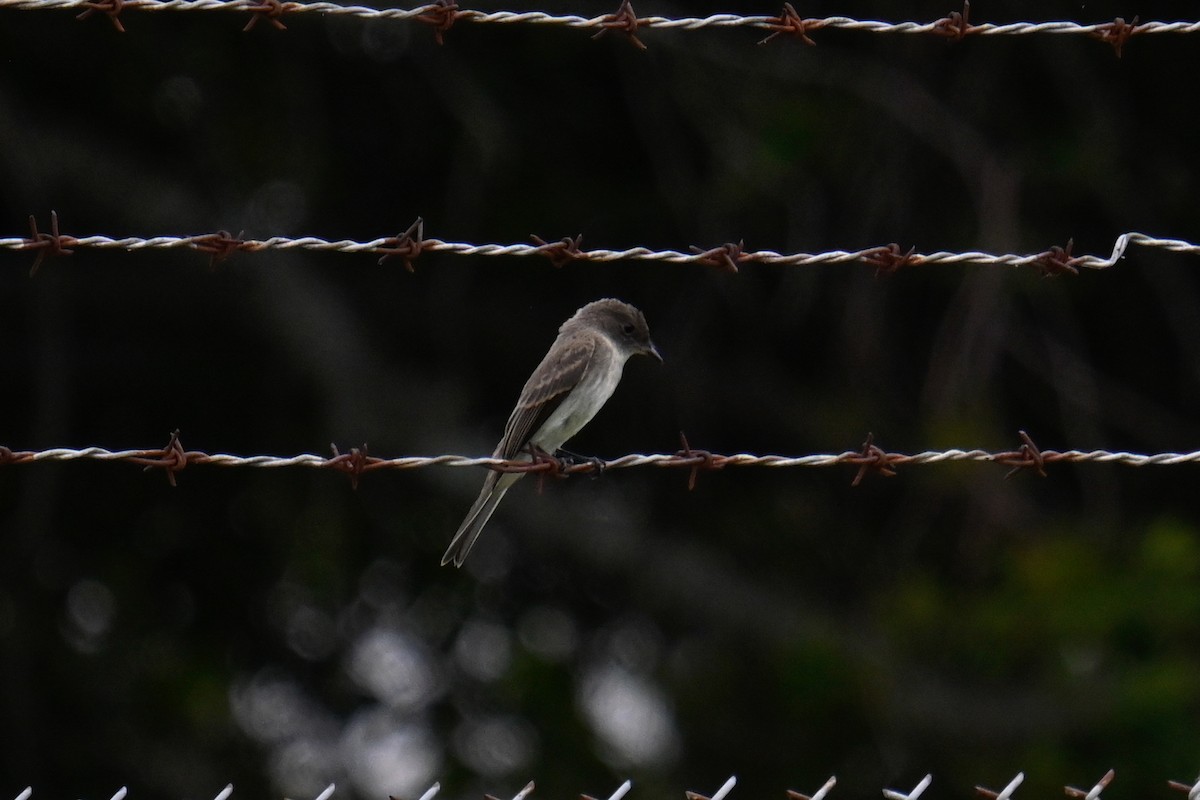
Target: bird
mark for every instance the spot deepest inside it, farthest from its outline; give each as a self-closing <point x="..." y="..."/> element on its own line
<point x="575" y="378"/>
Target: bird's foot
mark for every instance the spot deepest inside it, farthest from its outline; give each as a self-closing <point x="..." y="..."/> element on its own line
<point x="557" y="466"/>
<point x="573" y="459"/>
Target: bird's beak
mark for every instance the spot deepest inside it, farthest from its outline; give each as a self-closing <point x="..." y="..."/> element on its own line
<point x="653" y="351"/>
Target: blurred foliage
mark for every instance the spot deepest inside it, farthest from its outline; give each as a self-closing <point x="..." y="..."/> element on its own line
<point x="281" y="631"/>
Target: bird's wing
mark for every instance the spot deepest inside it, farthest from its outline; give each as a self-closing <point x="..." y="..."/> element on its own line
<point x="560" y="371"/>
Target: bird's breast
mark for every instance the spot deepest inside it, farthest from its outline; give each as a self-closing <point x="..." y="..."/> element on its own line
<point x="578" y="407"/>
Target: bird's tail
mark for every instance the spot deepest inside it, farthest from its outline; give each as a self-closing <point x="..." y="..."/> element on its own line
<point x="477" y="517"/>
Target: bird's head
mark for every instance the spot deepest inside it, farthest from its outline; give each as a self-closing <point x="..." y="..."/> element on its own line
<point x="623" y="323"/>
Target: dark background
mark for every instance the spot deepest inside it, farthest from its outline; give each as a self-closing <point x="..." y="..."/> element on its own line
<point x="280" y="630"/>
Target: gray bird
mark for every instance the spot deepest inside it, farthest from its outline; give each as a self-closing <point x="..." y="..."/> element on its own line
<point x="577" y="375"/>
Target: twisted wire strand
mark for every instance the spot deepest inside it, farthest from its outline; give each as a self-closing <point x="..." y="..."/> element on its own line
<point x="383" y="245"/>
<point x="601" y="22"/>
<point x="174" y="457"/>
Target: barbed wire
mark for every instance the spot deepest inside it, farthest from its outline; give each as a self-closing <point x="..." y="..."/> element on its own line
<point x="408" y="246"/>
<point x="444" y="14"/>
<point x="870" y="458"/>
<point x="1191" y="790"/>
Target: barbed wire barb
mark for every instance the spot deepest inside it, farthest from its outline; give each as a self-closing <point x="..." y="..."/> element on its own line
<point x="872" y="458"/>
<point x="820" y="794"/>
<point x="428" y="794"/>
<point x="48" y="245"/>
<point x="917" y="791"/>
<point x="1004" y="794"/>
<point x="441" y="16"/>
<point x="720" y="794"/>
<point x="791" y="23"/>
<point x="521" y="795"/>
<point x="621" y="791"/>
<point x="406" y="246"/>
<point x="625" y="20"/>
<point x="1094" y="792"/>
<point x="957" y="24"/>
<point x="110" y="8"/>
<point x="269" y="11"/>
<point x="1191" y="790"/>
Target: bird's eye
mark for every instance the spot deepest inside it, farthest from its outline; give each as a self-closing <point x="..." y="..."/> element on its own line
<point x="627" y="329"/>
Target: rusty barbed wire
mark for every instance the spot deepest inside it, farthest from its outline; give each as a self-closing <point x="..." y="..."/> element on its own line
<point x="355" y="463"/>
<point x="445" y="13"/>
<point x="411" y="244"/>
<point x="1192" y="791"/>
